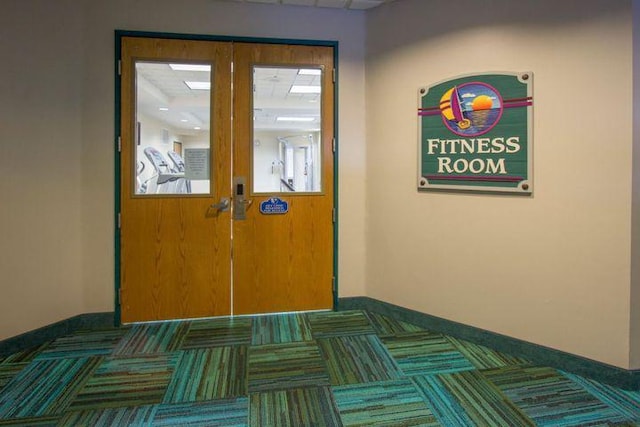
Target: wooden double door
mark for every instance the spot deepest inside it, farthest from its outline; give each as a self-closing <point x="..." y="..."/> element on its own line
<point x="240" y="220"/>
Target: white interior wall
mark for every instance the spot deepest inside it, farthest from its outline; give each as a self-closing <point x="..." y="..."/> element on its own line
<point x="554" y="268"/>
<point x="266" y="169"/>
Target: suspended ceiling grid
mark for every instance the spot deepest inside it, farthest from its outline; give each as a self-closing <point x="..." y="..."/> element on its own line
<point x="338" y="4"/>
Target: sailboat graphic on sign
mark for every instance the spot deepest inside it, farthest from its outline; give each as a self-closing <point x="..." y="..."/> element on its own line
<point x="451" y="108"/>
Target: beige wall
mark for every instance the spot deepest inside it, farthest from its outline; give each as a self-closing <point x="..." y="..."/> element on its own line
<point x="41" y="184"/>
<point x="554" y="268"/>
<point x="57" y="130"/>
<point x="635" y="217"/>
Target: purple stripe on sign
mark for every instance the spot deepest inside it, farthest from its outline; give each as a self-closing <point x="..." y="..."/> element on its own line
<point x="428" y="113"/>
<point x="518" y="104"/>
<point x="474" y="178"/>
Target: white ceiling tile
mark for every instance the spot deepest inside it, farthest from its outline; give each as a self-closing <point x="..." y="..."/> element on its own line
<point x="332" y="3"/>
<point x="299" y="2"/>
<point x="337" y="4"/>
<point x="364" y="4"/>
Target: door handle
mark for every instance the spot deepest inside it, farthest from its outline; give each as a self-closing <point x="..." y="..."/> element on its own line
<point x="222" y="205"/>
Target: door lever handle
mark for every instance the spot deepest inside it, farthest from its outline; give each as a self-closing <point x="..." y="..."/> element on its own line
<point x="222" y="205"/>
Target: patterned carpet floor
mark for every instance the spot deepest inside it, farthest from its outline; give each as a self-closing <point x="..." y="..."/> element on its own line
<point x="349" y="368"/>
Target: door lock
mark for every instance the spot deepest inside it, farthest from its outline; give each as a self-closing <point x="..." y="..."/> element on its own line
<point x="240" y="202"/>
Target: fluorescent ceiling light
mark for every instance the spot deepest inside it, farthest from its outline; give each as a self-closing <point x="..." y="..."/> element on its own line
<point x="190" y="67"/>
<point x="295" y="119"/>
<point x="163" y="109"/>
<point x="305" y="89"/>
<point x="310" y="71"/>
<point x="199" y="85"/>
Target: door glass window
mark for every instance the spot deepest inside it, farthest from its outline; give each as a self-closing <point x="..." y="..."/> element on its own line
<point x="172" y="128"/>
<point x="286" y="130"/>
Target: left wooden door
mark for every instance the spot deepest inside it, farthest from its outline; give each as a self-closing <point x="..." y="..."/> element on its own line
<point x="175" y="230"/>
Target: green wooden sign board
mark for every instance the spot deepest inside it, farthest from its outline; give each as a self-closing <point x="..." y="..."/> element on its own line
<point x="475" y="134"/>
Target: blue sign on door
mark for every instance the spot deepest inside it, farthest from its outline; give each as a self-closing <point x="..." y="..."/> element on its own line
<point x="274" y="206"/>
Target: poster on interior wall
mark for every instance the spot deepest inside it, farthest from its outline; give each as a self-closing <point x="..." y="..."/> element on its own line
<point x="196" y="163"/>
<point x="475" y="133"/>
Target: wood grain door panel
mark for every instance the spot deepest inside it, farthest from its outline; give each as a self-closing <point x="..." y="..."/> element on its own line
<point x="181" y="259"/>
<point x="175" y="250"/>
<point x="282" y="262"/>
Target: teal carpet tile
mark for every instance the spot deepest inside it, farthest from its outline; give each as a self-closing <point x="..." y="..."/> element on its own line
<point x="482" y="401"/>
<point x="626" y="403"/>
<point x="45" y="387"/>
<point x="384" y="325"/>
<point x="351" y="368"/>
<point x="215" y="413"/>
<point x="282" y="366"/>
<point x="13" y="364"/>
<point x="124" y="416"/>
<point x="224" y="331"/>
<point x="389" y="403"/>
<point x="485" y="358"/>
<point x="83" y="344"/>
<point x="550" y="398"/>
<point x="425" y="353"/>
<point x="24" y="356"/>
<point x="442" y="404"/>
<point x="357" y="359"/>
<point x="50" y="421"/>
<point x="334" y="324"/>
<point x="208" y="374"/>
<point x="127" y="381"/>
<point x="312" y="406"/>
<point x="152" y="338"/>
<point x="281" y="328"/>
<point x="8" y="371"/>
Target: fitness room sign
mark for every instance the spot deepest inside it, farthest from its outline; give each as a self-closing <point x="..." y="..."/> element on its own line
<point x="475" y="134"/>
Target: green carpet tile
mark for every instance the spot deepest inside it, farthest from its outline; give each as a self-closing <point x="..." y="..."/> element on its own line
<point x="125" y="381"/>
<point x="226" y="412"/>
<point x="384" y="325"/>
<point x="152" y="338"/>
<point x="280" y="366"/>
<point x="83" y="344"/>
<point x="357" y="359"/>
<point x="311" y="406"/>
<point x="281" y="329"/>
<point x="208" y="374"/>
<point x="425" y="353"/>
<point x="396" y="402"/>
<point x="550" y="398"/>
<point x="351" y="368"/>
<point x="45" y="387"/>
<point x="484" y="358"/>
<point x="482" y="401"/>
<point x="218" y="332"/>
<point x="342" y="323"/>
